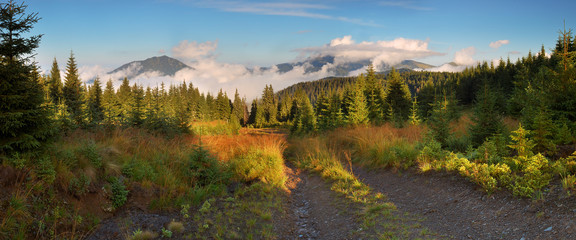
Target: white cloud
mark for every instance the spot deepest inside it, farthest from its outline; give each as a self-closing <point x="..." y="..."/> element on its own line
<point x="465" y="56"/>
<point x="193" y="50"/>
<point x="379" y="52"/>
<point x="499" y="43"/>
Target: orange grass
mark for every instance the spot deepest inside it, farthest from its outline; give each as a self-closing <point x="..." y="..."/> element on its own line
<point x="226" y="147"/>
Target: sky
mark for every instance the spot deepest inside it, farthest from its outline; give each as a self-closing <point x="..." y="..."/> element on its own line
<point x="220" y="38"/>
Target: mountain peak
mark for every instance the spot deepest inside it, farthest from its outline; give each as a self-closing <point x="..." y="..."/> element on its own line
<point x="164" y="65"/>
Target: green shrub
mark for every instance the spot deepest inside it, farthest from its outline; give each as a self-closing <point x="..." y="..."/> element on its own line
<point x="119" y="192"/>
<point x="89" y="150"/>
<point x="535" y="177"/>
<point x="45" y="170"/>
<point x="79" y="185"/>
<point x="204" y="169"/>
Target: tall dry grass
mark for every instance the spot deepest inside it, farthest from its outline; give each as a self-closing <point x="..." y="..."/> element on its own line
<point x="251" y="157"/>
<point x="378" y="146"/>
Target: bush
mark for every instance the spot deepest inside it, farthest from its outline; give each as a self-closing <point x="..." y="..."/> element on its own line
<point x="45" y="170"/>
<point x="119" y="192"/>
<point x="535" y="177"/>
<point x="203" y="169"/>
<point x="90" y="152"/>
<point x="79" y="185"/>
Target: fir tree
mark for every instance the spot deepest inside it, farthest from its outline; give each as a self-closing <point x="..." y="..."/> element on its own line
<point x="237" y="107"/>
<point x="439" y="121"/>
<point x="374" y="96"/>
<point x="136" y="111"/>
<point x="95" y="109"/>
<point x="304" y="121"/>
<point x="414" y="116"/>
<point x="398" y="96"/>
<point x="55" y="83"/>
<point x="110" y="104"/>
<point x="487" y="117"/>
<point x="223" y="109"/>
<point x="125" y="99"/>
<point x="73" y="92"/>
<point x="322" y="112"/>
<point x="24" y="123"/>
<point x="355" y="104"/>
<point x="253" y="110"/>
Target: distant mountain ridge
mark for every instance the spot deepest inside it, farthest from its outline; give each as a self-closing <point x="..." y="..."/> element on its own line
<point x="164" y="65"/>
<point x="316" y="64"/>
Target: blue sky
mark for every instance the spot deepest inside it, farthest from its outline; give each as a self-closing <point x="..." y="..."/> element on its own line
<point x="105" y="34"/>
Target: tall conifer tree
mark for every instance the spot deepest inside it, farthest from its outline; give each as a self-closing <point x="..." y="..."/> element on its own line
<point x="24" y="123"/>
<point x="73" y="91"/>
<point x="55" y="83"/>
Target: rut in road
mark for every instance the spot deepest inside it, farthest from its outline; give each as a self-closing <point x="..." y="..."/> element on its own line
<point x="316" y="212"/>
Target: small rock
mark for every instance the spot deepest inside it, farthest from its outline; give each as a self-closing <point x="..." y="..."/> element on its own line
<point x="548" y="229"/>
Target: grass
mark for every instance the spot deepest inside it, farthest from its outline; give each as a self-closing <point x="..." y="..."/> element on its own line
<point x="165" y="169"/>
<point x="378" y="147"/>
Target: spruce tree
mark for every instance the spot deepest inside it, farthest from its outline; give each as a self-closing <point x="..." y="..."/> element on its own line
<point x="398" y="96"/>
<point x="355" y="104"/>
<point x="95" y="109"/>
<point x="24" y="123"/>
<point x="125" y="99"/>
<point x="322" y="112"/>
<point x="110" y="104"/>
<point x="223" y="109"/>
<point x="439" y="121"/>
<point x="374" y="96"/>
<point x="304" y="121"/>
<point x="237" y="107"/>
<point x="414" y="115"/>
<point x="487" y="117"/>
<point x="136" y="111"/>
<point x="55" y="83"/>
<point x="73" y="91"/>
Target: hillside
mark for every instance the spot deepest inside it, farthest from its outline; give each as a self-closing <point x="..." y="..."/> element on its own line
<point x="164" y="65"/>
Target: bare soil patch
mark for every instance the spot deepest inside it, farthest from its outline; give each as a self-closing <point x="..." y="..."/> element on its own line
<point x="452" y="206"/>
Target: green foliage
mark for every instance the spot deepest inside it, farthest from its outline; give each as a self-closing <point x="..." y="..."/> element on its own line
<point x="203" y="169"/>
<point x="439" y="122"/>
<point x="535" y="177"/>
<point x="398" y="97"/>
<point x="73" y="91"/>
<point x="119" y="192"/>
<point x="259" y="164"/>
<point x="304" y="119"/>
<point x="95" y="109"/>
<point x="45" y="170"/>
<point x="354" y="105"/>
<point x="89" y="151"/>
<point x="24" y="122"/>
<point x="55" y="83"/>
<point x="79" y="185"/>
<point x="487" y="118"/>
<point x="166" y="233"/>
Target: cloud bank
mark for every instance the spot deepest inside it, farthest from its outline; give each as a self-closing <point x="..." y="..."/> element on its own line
<point x="210" y="75"/>
<point x="380" y="53"/>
